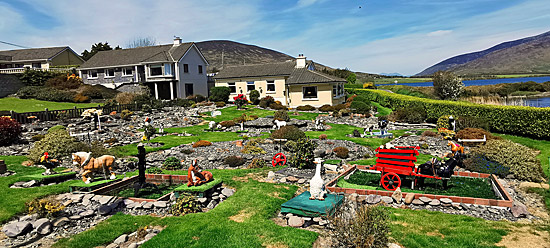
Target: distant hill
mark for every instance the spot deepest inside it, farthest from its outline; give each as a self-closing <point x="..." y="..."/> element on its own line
<point x="527" y="55"/>
<point x="235" y="53"/>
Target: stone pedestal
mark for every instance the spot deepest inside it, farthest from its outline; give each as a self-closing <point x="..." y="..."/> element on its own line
<point x="3" y="167"/>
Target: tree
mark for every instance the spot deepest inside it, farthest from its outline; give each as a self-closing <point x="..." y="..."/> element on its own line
<point x="351" y="78"/>
<point x="96" y="48"/>
<point x="447" y="85"/>
<point x="219" y="94"/>
<point x="141" y="42"/>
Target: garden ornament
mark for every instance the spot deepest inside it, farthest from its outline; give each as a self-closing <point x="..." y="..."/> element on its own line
<point x="89" y="164"/>
<point x="211" y="125"/>
<point x="455" y="148"/>
<point x="195" y="175"/>
<point x="279" y="123"/>
<point x="48" y="163"/>
<point x="161" y="128"/>
<point x="383" y="124"/>
<point x="219" y="126"/>
<point x="147" y="121"/>
<point x="316" y="184"/>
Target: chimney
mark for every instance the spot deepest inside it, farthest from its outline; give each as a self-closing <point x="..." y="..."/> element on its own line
<point x="301" y="61"/>
<point x="177" y="41"/>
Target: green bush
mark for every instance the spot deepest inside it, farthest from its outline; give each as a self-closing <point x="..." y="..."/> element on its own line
<point x="289" y="133"/>
<point x="341" y="152"/>
<point x="447" y="85"/>
<point x="368" y="227"/>
<point x="126" y="114"/>
<point x="520" y="160"/>
<point x="9" y="130"/>
<point x="463" y="122"/>
<point x="305" y="108"/>
<point x="480" y="163"/>
<point x="277" y="106"/>
<point x="256" y="163"/>
<point x="326" y="108"/>
<point x="281" y="115"/>
<point x="303" y="155"/>
<point x="62" y="82"/>
<point x="186" y="204"/>
<point x="148" y="131"/>
<point x="220" y="104"/>
<point x="29" y="91"/>
<point x="475" y="133"/>
<point x="250" y="148"/>
<point x="172" y="163"/>
<point x="254" y="96"/>
<point x="59" y="144"/>
<point x="266" y="101"/>
<point x="37" y="137"/>
<point x="99" y="92"/>
<point x="146" y="108"/>
<point x="339" y="107"/>
<point x="183" y="102"/>
<point x="234" y="161"/>
<point x="153" y="170"/>
<point x="55" y="95"/>
<point x="36" y="77"/>
<point x="219" y="94"/>
<point x="517" y="120"/>
<point x="360" y="107"/>
<point x="408" y="115"/>
<point x="56" y="127"/>
<point x="197" y="98"/>
<point x="227" y="123"/>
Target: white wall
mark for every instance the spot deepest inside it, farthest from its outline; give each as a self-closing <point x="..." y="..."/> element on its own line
<point x="199" y="81"/>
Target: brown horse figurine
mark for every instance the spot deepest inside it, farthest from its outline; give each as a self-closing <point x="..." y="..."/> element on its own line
<point x="196" y="177"/>
<point x="89" y="164"/>
<point x="456" y="148"/>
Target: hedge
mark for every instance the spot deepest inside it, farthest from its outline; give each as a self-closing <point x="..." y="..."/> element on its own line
<point x="518" y="120"/>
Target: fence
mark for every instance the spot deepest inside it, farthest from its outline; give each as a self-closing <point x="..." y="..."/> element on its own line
<point x="23" y="69"/>
<point x="53" y="115"/>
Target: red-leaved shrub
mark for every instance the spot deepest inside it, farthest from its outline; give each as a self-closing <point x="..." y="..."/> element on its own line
<point x="9" y="130"/>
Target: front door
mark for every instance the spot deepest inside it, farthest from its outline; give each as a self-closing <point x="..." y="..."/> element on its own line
<point x="188" y="90"/>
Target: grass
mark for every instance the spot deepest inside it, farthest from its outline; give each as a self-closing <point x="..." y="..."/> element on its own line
<point x="382" y="111"/>
<point x="400" y="80"/>
<point x="147" y="193"/>
<point x="33" y="105"/>
<point x="231" y="112"/>
<point x="200" y="188"/>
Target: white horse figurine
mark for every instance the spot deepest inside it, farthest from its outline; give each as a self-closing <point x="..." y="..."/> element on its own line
<point x="211" y="125"/>
<point x="317" y="185"/>
<point x="280" y="124"/>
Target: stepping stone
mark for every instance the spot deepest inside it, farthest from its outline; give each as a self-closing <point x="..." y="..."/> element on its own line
<point x="418" y="202"/>
<point x="60" y="221"/>
<point x="160" y="204"/>
<point x="373" y="199"/>
<point x="87" y="213"/>
<point x="435" y="202"/>
<point x="42" y="226"/>
<point x="446" y="201"/>
<point x="75" y="217"/>
<point x="17" y="228"/>
<point x="425" y="199"/>
<point x="409" y="198"/>
<point x="295" y="221"/>
<point x="387" y="199"/>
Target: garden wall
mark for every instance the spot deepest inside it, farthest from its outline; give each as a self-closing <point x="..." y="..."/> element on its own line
<point x="517" y="120"/>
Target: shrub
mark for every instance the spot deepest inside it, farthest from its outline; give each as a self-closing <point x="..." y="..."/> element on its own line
<point x="368" y="226"/>
<point x="63" y="82"/>
<point x="480" y="163"/>
<point x="186" y="204"/>
<point x="46" y="207"/>
<point x="96" y="148"/>
<point x="172" y="163"/>
<point x="256" y="163"/>
<point x="443" y="122"/>
<point x="326" y="108"/>
<point x="277" y="106"/>
<point x="58" y="144"/>
<point x="234" y="161"/>
<point x="99" y="92"/>
<point x="520" y="160"/>
<point x="81" y="98"/>
<point x="360" y="107"/>
<point x="251" y="148"/>
<point x="408" y="115"/>
<point x="323" y="137"/>
<point x="471" y="122"/>
<point x="289" y="133"/>
<point x="202" y="143"/>
<point x="37" y="137"/>
<point x="153" y="170"/>
<point x="29" y="91"/>
<point x="36" y="77"/>
<point x="220" y="94"/>
<point x="227" y="123"/>
<point x="183" y="102"/>
<point x="197" y="98"/>
<point x="356" y="133"/>
<point x="254" y="96"/>
<point x="9" y="130"/>
<point x="475" y="133"/>
<point x="447" y="85"/>
<point x="266" y="101"/>
<point x="149" y="131"/>
<point x="281" y="115"/>
<point x="56" y="127"/>
<point x="51" y="94"/>
<point x="429" y="133"/>
<point x="142" y="99"/>
<point x="305" y="108"/>
<point x="303" y="155"/>
<point x="125" y="97"/>
<point x="341" y="152"/>
<point x="220" y="104"/>
<point x="339" y="107"/>
<point x="126" y="114"/>
<point x="245" y="118"/>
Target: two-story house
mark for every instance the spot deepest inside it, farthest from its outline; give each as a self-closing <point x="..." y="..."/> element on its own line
<point x="170" y="71"/>
<point x="293" y="83"/>
<point x="16" y="61"/>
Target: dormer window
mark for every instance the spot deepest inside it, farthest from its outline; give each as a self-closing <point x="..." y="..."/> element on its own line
<point x="155" y="70"/>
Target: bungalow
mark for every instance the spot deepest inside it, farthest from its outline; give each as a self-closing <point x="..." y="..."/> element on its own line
<point x="170" y="71"/>
<point x="16" y="61"/>
<point x="293" y="83"/>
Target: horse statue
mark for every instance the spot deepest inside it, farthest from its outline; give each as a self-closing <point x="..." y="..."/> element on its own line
<point x="456" y="148"/>
<point x="88" y="164"/>
<point x="195" y="175"/>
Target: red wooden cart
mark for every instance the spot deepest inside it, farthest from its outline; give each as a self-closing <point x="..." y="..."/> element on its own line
<point x="396" y="162"/>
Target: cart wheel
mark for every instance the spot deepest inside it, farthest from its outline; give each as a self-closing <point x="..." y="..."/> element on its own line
<point x="278" y="159"/>
<point x="390" y="181"/>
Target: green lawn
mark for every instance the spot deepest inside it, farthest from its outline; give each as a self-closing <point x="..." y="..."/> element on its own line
<point x="400" y="80"/>
<point x="230" y="113"/>
<point x="382" y="111"/>
<point x="33" y="105"/>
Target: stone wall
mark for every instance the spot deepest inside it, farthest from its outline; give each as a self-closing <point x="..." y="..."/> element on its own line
<point x="9" y="84"/>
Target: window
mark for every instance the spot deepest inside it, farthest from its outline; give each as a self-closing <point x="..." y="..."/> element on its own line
<point x="271" y="86"/>
<point x="250" y="86"/>
<point x="232" y="87"/>
<point x="36" y="65"/>
<point x="309" y="92"/>
<point x="186" y="68"/>
<point x="129" y="71"/>
<point x="167" y="69"/>
<point x="92" y="74"/>
<point x="334" y="90"/>
<point x="109" y="73"/>
<point x="200" y="69"/>
<point x="155" y="70"/>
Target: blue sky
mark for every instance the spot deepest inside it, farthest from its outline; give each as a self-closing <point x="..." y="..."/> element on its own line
<point x="379" y="36"/>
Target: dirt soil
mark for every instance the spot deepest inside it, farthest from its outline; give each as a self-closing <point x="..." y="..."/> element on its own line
<point x="525" y="236"/>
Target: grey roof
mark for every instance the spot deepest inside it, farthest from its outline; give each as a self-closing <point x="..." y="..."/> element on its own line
<point x="32" y="53"/>
<point x="135" y="56"/>
<point x="287" y="69"/>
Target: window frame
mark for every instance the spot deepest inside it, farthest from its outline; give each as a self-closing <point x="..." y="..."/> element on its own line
<point x="200" y="69"/>
<point x="125" y="71"/>
<point x="185" y="68"/>
<point x="90" y="73"/>
<point x="156" y="66"/>
<point x="229" y="85"/>
<point x="304" y="98"/>
<point x="248" y="84"/>
<point x="268" y="83"/>
<point x="164" y="71"/>
<point x="105" y="72"/>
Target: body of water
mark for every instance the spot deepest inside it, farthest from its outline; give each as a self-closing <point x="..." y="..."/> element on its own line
<point x="538" y="102"/>
<point x="484" y="81"/>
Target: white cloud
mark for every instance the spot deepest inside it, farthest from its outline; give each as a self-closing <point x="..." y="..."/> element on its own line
<point x="439" y="33"/>
<point x="303" y="3"/>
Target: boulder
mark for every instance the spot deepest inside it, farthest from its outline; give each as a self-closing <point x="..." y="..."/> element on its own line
<point x="121" y="239"/>
<point x="519" y="210"/>
<point x="228" y="192"/>
<point x="60" y="221"/>
<point x="425" y="199"/>
<point x="435" y="202"/>
<point x="387" y="199"/>
<point x="409" y="198"/>
<point x="373" y="199"/>
<point x="15" y="229"/>
<point x="42" y="226"/>
<point x="417" y="202"/>
<point x="295" y="221"/>
<point x="397" y="195"/>
<point x="104" y="209"/>
<point x="87" y="213"/>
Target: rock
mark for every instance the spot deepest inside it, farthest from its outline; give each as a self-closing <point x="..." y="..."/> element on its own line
<point x="160" y="204"/>
<point x="320" y="153"/>
<point x="417" y="202"/>
<point x="216" y="198"/>
<point x="75" y="217"/>
<point x="435" y="202"/>
<point x="147" y="205"/>
<point x="104" y="209"/>
<point x="526" y="185"/>
<point x="113" y="245"/>
<point x="291" y="179"/>
<point x="212" y="204"/>
<point x="228" y="192"/>
<point x="203" y="199"/>
<point x="397" y="195"/>
<point x="301" y="181"/>
<point x="133" y="245"/>
<point x="29" y="217"/>
<point x="42" y="226"/>
<point x="17" y="228"/>
<point x="270" y="175"/>
<point x="456" y="205"/>
<point x="150" y="236"/>
<point x="283" y="180"/>
<point x="121" y="239"/>
<point x="29" y="184"/>
<point x="446" y="201"/>
<point x="317" y="219"/>
<point x="519" y="210"/>
<point x="87" y="213"/>
<point x="105" y="199"/>
<point x="425" y="199"/>
<point x="60" y="221"/>
<point x="387" y="199"/>
<point x="362" y="199"/>
<point x="295" y="221"/>
<point x="373" y="199"/>
<point x="393" y="245"/>
<point x="409" y="198"/>
<point x="331" y="167"/>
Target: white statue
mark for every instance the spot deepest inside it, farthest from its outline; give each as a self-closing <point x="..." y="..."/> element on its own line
<point x="317" y="185"/>
<point x="280" y="124"/>
<point x="219" y="126"/>
<point x="161" y="128"/>
<point x="242" y="126"/>
<point x="216" y="113"/>
<point x="211" y="125"/>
